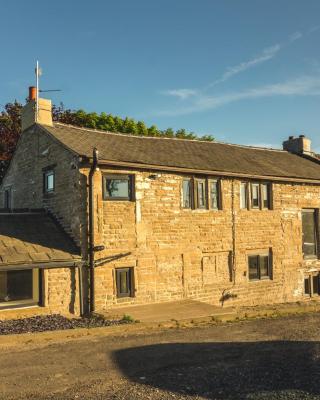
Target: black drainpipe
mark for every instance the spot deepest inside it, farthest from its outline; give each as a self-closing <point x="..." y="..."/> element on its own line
<point x="93" y="168"/>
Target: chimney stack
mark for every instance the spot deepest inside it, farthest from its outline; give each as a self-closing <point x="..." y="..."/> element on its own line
<point x="297" y="145"/>
<point x="30" y="116"/>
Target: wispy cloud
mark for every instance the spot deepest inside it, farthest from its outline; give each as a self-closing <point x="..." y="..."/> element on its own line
<point x="295" y="36"/>
<point x="180" y="93"/>
<point x="197" y="100"/>
<point x="313" y="29"/>
<point x="302" y="86"/>
<point x="265" y="55"/>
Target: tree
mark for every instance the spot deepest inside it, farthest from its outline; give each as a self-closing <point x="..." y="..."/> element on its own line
<point x="10" y="127"/>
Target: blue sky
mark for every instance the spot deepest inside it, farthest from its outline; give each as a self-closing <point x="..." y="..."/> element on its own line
<point x="244" y="71"/>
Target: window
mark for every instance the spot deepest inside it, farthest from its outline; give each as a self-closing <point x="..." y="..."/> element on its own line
<point x="312" y="285"/>
<point x="186" y="193"/>
<point x="19" y="287"/>
<point x="259" y="266"/>
<point x="309" y="233"/>
<point x="260" y="195"/>
<point x="201" y="193"/>
<point x="124" y="282"/>
<point x="265" y="195"/>
<point x="255" y="195"/>
<point x="7" y="198"/>
<point x="118" y="187"/>
<point x="244" y="195"/>
<point x="215" y="194"/>
<point x="49" y="181"/>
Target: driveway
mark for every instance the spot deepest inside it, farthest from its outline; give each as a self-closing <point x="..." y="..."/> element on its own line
<point x="258" y="359"/>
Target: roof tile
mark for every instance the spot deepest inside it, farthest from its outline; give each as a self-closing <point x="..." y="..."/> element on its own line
<point x="33" y="238"/>
<point x="189" y="154"/>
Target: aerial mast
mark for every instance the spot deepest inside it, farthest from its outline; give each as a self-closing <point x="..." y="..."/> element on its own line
<point x="38" y="74"/>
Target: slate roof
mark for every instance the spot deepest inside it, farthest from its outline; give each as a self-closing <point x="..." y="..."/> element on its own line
<point x="187" y="154"/>
<point x="34" y="238"/>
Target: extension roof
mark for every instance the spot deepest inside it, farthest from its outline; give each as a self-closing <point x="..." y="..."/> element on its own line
<point x="186" y="155"/>
<point x="34" y="238"/>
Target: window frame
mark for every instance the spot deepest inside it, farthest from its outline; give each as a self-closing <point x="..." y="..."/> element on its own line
<point x="204" y="183"/>
<point x="131" y="186"/>
<point x="255" y="184"/>
<point x="218" y="184"/>
<point x="310" y="279"/>
<point x="315" y="212"/>
<point x="194" y="182"/>
<point x="258" y="255"/>
<point x="189" y="180"/>
<point x="130" y="278"/>
<point x="246" y="195"/>
<point x="7" y="201"/>
<point x="35" y="300"/>
<point x="249" y="195"/>
<point x="46" y="173"/>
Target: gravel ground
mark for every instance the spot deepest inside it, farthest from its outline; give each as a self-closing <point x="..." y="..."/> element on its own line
<point x="52" y="323"/>
<point x="267" y="359"/>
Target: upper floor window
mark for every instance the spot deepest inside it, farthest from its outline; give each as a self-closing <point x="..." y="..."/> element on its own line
<point x="215" y="194"/>
<point x="259" y="266"/>
<point x="48" y="181"/>
<point x="118" y="187"/>
<point x="186" y="193"/>
<point x="244" y="195"/>
<point x="201" y="193"/>
<point x="255" y="195"/>
<point x="309" y="233"/>
<point x="259" y="194"/>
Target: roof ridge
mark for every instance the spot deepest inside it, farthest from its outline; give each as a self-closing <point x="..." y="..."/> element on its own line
<point x="167" y="138"/>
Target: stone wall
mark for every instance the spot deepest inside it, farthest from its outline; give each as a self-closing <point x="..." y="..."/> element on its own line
<point x="178" y="253"/>
<point x="37" y="150"/>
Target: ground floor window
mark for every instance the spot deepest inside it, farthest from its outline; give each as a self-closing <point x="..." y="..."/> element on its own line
<point x="259" y="266"/>
<point x="124" y="282"/>
<point x="312" y="285"/>
<point x="19" y="287"/>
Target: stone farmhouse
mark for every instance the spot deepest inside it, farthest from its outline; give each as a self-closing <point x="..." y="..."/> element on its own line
<point x="92" y="220"/>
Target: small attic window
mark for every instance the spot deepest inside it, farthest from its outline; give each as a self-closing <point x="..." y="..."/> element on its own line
<point x="48" y="181"/>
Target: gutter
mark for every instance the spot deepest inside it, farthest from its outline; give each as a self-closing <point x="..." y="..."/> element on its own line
<point x="48" y="265"/>
<point x="93" y="168"/>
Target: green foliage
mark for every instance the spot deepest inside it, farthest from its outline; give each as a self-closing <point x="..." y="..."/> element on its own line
<point x="127" y="318"/>
<point x="108" y="122"/>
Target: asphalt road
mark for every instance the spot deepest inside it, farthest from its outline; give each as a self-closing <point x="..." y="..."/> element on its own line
<point x="260" y="359"/>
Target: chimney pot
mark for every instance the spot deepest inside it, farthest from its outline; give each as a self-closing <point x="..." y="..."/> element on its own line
<point x="32" y="93"/>
<point x="291" y="137"/>
<point x="302" y="136"/>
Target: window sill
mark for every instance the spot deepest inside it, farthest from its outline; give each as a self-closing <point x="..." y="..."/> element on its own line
<point x="261" y="280"/>
<point x="15" y="305"/>
<point x="120" y="199"/>
<point x="49" y="194"/>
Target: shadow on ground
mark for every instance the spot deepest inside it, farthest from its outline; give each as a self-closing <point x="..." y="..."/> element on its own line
<point x="241" y="370"/>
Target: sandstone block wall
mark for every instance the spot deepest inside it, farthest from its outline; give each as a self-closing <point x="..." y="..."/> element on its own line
<point x="178" y="253"/>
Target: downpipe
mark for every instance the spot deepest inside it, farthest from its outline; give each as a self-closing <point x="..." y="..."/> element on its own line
<point x="93" y="169"/>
